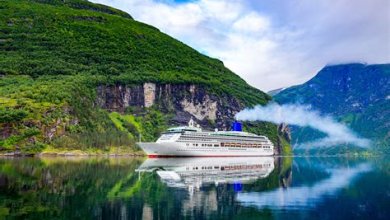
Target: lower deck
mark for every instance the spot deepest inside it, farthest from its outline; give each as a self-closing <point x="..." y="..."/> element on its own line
<point x="182" y="149"/>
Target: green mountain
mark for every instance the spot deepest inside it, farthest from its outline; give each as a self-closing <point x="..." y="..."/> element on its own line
<point x="355" y="94"/>
<point x="78" y="75"/>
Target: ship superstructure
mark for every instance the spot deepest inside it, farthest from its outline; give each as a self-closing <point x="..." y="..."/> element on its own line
<point x="192" y="141"/>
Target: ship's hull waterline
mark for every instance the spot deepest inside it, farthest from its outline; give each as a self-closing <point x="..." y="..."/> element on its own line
<point x="175" y="149"/>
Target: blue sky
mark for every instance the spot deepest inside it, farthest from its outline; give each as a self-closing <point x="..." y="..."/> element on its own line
<point x="273" y="44"/>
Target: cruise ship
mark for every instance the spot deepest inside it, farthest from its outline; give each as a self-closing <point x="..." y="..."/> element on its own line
<point x="191" y="141"/>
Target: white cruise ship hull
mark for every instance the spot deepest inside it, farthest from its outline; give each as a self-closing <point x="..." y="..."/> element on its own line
<point x="177" y="149"/>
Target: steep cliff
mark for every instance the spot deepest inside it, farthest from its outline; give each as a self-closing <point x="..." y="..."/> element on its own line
<point x="184" y="100"/>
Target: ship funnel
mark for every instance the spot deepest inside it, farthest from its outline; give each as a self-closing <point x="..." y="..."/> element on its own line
<point x="236" y="126"/>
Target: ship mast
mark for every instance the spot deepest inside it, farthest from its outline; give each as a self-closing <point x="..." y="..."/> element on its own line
<point x="191" y="123"/>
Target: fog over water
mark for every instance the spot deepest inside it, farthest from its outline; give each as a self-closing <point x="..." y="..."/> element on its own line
<point x="304" y="116"/>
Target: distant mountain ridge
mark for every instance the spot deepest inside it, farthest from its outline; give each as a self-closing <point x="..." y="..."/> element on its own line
<point x="355" y="94"/>
<point x="275" y="91"/>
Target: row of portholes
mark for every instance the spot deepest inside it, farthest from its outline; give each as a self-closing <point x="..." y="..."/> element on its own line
<point x="230" y="145"/>
<point x="203" y="145"/>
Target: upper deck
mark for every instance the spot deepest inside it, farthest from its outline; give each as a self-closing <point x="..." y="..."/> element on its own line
<point x="191" y="133"/>
<point x="194" y="134"/>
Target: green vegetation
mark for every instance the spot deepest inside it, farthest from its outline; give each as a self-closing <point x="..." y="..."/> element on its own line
<point x="40" y="39"/>
<point x="32" y="108"/>
<point x="271" y="131"/>
<point x="147" y="127"/>
<point x="8" y="115"/>
<point x="54" y="54"/>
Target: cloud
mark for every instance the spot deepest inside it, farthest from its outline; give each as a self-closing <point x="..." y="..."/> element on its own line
<point x="303" y="116"/>
<point x="251" y="23"/>
<point x="273" y="44"/>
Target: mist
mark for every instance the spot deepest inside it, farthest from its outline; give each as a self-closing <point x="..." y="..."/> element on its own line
<point x="303" y="116"/>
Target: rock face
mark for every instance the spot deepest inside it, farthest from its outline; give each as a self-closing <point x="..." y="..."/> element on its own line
<point x="184" y="100"/>
<point x="285" y="131"/>
<point x="149" y="94"/>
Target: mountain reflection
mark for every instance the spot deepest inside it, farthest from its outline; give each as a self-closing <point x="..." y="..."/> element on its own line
<point x="193" y="188"/>
<point x="304" y="197"/>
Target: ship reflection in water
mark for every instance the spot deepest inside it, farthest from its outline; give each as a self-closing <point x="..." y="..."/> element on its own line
<point x="207" y="185"/>
<point x="193" y="173"/>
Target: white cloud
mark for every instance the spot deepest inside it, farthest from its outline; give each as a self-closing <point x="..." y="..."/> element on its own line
<point x="251" y="23"/>
<point x="273" y="44"/>
<point x="337" y="133"/>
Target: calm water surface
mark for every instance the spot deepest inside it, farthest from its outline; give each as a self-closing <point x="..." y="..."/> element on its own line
<point x="195" y="188"/>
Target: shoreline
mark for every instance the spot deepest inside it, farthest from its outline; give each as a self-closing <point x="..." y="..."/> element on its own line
<point x="77" y="153"/>
<point x="80" y="153"/>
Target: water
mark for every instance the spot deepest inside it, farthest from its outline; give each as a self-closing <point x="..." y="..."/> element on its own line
<point x="195" y="188"/>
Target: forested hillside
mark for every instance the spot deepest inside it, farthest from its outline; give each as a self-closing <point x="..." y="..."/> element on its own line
<point x="56" y="56"/>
